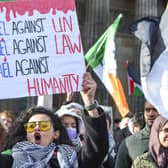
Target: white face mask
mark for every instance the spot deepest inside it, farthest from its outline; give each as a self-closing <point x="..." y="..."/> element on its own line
<point x="72" y="133"/>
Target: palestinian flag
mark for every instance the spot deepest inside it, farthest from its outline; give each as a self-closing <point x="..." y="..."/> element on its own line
<point x="134" y="83"/>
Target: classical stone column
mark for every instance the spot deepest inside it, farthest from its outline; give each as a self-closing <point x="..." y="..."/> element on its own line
<point x="31" y="101"/>
<point x="145" y="8"/>
<point x="97" y="14"/>
<point x="45" y="101"/>
<point x="96" y="20"/>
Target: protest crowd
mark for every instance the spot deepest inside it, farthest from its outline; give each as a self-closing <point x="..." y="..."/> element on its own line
<point x="77" y="134"/>
<point x="83" y="136"/>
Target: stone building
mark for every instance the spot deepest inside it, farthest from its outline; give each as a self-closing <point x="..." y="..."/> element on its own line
<point x="94" y="17"/>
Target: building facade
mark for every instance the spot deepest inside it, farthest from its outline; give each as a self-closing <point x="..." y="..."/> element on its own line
<point x="94" y="16"/>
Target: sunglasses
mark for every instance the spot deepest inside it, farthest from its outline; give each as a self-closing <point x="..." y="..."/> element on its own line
<point x="43" y="125"/>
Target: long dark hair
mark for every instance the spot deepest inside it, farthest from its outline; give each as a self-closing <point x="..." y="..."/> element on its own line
<point x="17" y="132"/>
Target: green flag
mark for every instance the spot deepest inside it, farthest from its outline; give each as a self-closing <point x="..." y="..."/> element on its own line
<point x="101" y="58"/>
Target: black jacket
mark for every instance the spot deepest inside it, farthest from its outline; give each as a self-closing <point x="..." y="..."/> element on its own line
<point x="6" y="161"/>
<point x="120" y="135"/>
<point x="96" y="145"/>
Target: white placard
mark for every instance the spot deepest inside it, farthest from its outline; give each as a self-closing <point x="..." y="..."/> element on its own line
<point x="40" y="48"/>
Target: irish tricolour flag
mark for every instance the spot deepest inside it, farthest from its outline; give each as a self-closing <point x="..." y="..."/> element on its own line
<point x="101" y="58"/>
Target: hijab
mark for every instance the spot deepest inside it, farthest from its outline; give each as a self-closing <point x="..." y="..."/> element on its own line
<point x="158" y="152"/>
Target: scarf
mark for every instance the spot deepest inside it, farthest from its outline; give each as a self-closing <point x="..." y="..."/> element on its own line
<point x="77" y="144"/>
<point x="30" y="155"/>
<point x="112" y="145"/>
<point x="159" y="154"/>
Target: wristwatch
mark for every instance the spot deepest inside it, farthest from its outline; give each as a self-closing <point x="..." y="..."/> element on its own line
<point x="92" y="106"/>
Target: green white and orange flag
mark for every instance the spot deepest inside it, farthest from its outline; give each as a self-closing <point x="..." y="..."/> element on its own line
<point x="101" y="58"/>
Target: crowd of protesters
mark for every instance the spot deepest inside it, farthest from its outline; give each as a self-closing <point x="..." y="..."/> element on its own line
<point x="83" y="136"/>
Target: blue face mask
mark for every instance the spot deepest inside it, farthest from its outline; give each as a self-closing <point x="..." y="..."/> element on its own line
<point x="72" y="133"/>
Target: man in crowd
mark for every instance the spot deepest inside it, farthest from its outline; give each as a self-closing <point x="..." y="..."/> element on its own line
<point x="137" y="143"/>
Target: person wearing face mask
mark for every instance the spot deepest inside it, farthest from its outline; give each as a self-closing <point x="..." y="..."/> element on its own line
<point x="71" y="118"/>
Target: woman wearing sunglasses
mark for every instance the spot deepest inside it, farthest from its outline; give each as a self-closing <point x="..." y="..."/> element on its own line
<point x="157" y="157"/>
<point x="39" y="140"/>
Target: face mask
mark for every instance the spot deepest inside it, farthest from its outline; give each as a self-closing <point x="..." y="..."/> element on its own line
<point x="72" y="133"/>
